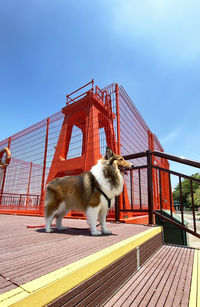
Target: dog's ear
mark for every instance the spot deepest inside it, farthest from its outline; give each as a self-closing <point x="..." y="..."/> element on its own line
<point x="109" y="154"/>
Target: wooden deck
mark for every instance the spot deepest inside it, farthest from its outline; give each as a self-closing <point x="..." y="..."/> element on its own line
<point x="72" y="268"/>
<point x="27" y="254"/>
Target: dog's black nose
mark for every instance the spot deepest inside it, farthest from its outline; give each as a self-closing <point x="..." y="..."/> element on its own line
<point x="132" y="166"/>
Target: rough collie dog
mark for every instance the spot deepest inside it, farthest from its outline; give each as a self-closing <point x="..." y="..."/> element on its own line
<point x="92" y="192"/>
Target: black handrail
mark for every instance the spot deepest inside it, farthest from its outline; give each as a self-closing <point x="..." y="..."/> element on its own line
<point x="136" y="155"/>
<point x="176" y="159"/>
<point x="161" y="169"/>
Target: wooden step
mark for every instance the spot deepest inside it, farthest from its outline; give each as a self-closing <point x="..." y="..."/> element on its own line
<point x="165" y="280"/>
<point x="98" y="288"/>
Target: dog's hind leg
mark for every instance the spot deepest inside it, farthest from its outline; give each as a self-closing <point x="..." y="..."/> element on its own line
<point x="59" y="225"/>
<point x="92" y="215"/>
<point x="51" y="207"/>
<point x="62" y="211"/>
<point x="102" y="220"/>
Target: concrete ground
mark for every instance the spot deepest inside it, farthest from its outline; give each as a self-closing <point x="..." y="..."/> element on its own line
<point x="193" y="241"/>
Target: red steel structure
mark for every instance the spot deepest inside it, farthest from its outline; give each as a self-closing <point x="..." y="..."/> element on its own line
<point x="71" y="141"/>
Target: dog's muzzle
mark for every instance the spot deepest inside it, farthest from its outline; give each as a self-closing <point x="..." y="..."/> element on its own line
<point x="125" y="170"/>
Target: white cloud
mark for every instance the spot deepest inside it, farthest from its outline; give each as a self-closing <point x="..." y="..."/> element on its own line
<point x="171" y="136"/>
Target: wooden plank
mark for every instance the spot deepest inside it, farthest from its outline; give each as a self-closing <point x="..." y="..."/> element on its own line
<point x="168" y="292"/>
<point x="161" y="284"/>
<point x="162" y="281"/>
<point x="152" y="279"/>
<point x="131" y="286"/>
<point x="188" y="280"/>
<point x="180" y="285"/>
<point x="5" y="285"/>
<point x="194" y="294"/>
<point x="147" y="248"/>
<point x="106" y="289"/>
<point x="92" y="285"/>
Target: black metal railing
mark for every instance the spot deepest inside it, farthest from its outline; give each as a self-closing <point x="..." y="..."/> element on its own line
<point x="20" y="201"/>
<point x="159" y="190"/>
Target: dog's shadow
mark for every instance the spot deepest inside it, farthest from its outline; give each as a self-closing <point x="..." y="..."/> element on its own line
<point x="74" y="232"/>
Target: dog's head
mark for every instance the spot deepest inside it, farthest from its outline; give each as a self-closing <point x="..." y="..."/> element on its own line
<point x="118" y="161"/>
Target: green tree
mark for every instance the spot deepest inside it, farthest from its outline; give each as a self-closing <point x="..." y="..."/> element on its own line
<point x="186" y="191"/>
<point x="196" y="198"/>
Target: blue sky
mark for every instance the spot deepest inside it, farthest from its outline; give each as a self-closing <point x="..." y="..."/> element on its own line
<point x="51" y="47"/>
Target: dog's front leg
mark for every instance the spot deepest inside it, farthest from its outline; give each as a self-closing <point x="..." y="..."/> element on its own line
<point x="102" y="220"/>
<point x="92" y="215"/>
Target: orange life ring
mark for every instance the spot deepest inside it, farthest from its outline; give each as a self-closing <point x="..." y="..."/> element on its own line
<point x="6" y="160"/>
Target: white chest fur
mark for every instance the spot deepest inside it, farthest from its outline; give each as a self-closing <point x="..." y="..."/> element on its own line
<point x="105" y="183"/>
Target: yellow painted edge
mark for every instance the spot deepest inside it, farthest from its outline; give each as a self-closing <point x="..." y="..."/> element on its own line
<point x="10" y="293"/>
<point x="11" y="296"/>
<point x="195" y="280"/>
<point x="47" y="288"/>
<point x="16" y="297"/>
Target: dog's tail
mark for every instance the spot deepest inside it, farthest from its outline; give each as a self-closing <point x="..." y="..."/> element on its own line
<point x="54" y="193"/>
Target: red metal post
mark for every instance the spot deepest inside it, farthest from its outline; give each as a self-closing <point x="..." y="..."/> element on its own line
<point x="29" y="181"/>
<point x="4" y="175"/>
<point x="119" y="203"/>
<point x="44" y="167"/>
<point x="155" y="187"/>
<point x="150" y="186"/>
<point x="118" y="118"/>
<point x="92" y="85"/>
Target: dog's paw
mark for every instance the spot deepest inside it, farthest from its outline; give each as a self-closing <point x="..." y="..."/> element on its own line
<point x="96" y="233"/>
<point x="107" y="232"/>
<point x="62" y="228"/>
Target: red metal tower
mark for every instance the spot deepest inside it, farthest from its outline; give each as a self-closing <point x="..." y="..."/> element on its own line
<point x="90" y="113"/>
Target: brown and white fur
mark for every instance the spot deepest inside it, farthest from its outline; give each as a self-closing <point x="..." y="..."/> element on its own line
<point x="82" y="192"/>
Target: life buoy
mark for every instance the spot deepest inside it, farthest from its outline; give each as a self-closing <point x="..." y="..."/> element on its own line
<point x="5" y="156"/>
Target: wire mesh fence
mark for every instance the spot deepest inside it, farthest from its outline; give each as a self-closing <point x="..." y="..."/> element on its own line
<point x="70" y="142"/>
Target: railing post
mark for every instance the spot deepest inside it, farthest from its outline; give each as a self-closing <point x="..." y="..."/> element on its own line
<point x="92" y="85"/>
<point x="29" y="182"/>
<point x="44" y="167"/>
<point x="150" y="186"/>
<point x="19" y="204"/>
<point x="118" y="119"/>
<point x="117" y="209"/>
<point x="120" y="199"/>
